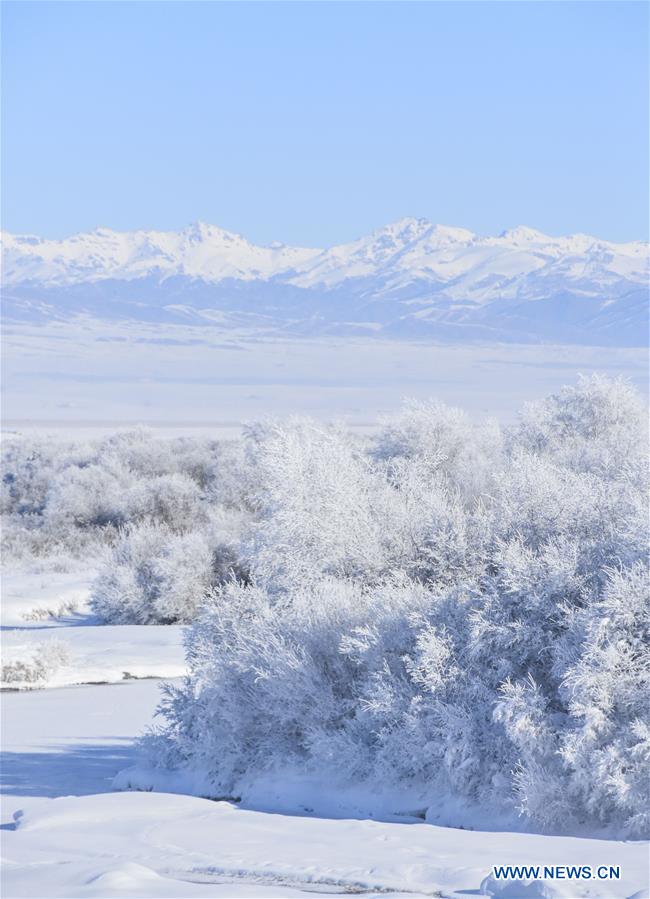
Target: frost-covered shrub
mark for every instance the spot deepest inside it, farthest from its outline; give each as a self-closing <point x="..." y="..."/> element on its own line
<point x="67" y="497"/>
<point x="607" y="690"/>
<point x="598" y="426"/>
<point x="107" y="493"/>
<point x="39" y="663"/>
<point x="441" y="607"/>
<point x="425" y="430"/>
<point x="27" y="539"/>
<point x="271" y="683"/>
<point x="440" y="610"/>
<point x="397" y="685"/>
<point x="325" y="506"/>
<point x="441" y="439"/>
<point x="157" y="576"/>
<point x="430" y="529"/>
<point x="442" y="470"/>
<point x="585" y="751"/>
<point x="26" y="465"/>
<point x="137" y="451"/>
<point x="172" y="500"/>
<point x="89" y="496"/>
<point x="314" y="500"/>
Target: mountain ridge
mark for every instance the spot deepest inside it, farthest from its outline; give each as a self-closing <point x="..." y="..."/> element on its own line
<point x="411" y="276"/>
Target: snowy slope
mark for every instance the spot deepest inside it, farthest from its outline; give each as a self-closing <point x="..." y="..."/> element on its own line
<point x="411" y="278"/>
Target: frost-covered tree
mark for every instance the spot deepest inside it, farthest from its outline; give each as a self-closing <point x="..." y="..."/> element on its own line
<point x="607" y="748"/>
<point x="445" y="611"/>
<point x="64" y="498"/>
<point x="443" y="440"/>
<point x="598" y="426"/>
<point x="156" y="576"/>
<point x="314" y="500"/>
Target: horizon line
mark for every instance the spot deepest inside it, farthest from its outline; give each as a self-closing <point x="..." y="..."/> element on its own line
<point x="277" y="244"/>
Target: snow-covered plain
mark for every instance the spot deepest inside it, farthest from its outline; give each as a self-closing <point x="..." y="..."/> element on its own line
<point x="88" y="372"/>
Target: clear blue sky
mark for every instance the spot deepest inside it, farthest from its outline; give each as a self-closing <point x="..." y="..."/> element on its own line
<point x="315" y="122"/>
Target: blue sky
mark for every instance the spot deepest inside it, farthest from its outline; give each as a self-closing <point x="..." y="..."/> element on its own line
<point x="313" y="123"/>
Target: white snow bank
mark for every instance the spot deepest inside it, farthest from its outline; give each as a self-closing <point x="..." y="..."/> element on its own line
<point x="289" y="792"/>
<point x="517" y="889"/>
<point x="90" y="654"/>
<point x="50" y="639"/>
<point x="135" y="844"/>
<point x="39" y="594"/>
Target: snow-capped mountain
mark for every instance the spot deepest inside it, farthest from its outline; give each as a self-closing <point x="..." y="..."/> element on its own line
<point x="199" y="251"/>
<point x="411" y="278"/>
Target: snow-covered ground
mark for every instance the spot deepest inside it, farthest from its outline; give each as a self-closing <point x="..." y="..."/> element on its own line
<point x="70" y="741"/>
<point x="90" y="371"/>
<point x="66" y="835"/>
<point x="86" y="654"/>
<point x="34" y="593"/>
<point x="50" y="638"/>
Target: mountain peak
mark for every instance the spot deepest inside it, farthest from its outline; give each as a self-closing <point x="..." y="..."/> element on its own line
<point x="524" y="234"/>
<point x="408" y="228"/>
<point x="199" y="231"/>
<point x="411" y="229"/>
<point x="452" y="234"/>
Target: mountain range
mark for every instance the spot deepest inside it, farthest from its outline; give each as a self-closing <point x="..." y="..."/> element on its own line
<point x="410" y="279"/>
